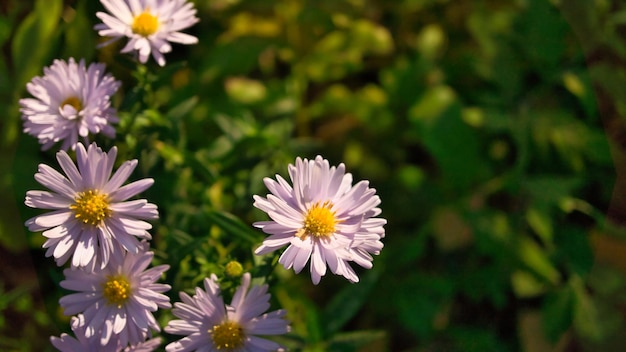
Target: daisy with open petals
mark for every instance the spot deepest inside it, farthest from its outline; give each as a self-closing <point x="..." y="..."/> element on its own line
<point x="68" y="343"/>
<point x="149" y="25"/>
<point x="211" y="326"/>
<point x="92" y="219"/>
<point x="117" y="301"/>
<point x="70" y="102"/>
<point x="323" y="217"/>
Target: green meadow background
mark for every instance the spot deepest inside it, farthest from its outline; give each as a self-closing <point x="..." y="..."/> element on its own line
<point x="493" y="131"/>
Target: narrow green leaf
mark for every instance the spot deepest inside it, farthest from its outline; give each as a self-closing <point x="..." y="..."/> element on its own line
<point x="586" y="316"/>
<point x="557" y="313"/>
<point x="34" y="39"/>
<point x="353" y="341"/>
<point x="179" y="111"/>
<point x="232" y="225"/>
<point x="80" y="37"/>
<point x="536" y="259"/>
<point x="347" y="302"/>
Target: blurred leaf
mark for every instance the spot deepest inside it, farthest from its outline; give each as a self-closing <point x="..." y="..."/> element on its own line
<point x="80" y="37"/>
<point x="346" y="303"/>
<point x="469" y="339"/>
<point x="453" y="144"/>
<point x="233" y="225"/>
<point x="545" y="28"/>
<point x="575" y="250"/>
<point x="536" y="259"/>
<point x="550" y="190"/>
<point x="355" y="341"/>
<point x="557" y="313"/>
<point x="541" y="223"/>
<point x="431" y="41"/>
<point x="526" y="285"/>
<point x="450" y="230"/>
<point x="248" y="24"/>
<point x="38" y="27"/>
<point x="586" y="318"/>
<point x="245" y="90"/>
<point x="233" y="58"/>
<point x="179" y="111"/>
<point x="418" y="312"/>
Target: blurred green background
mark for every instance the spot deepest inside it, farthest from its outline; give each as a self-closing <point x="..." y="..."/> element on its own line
<point x="493" y="131"/>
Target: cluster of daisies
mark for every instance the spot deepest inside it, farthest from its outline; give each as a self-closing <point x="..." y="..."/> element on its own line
<point x="98" y="229"/>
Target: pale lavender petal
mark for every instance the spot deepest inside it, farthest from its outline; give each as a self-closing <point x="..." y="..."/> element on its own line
<point x="120" y="176"/>
<point x="91" y="242"/>
<point x="198" y="315"/>
<point x="353" y="232"/>
<point x="68" y="102"/>
<point x="127" y="321"/>
<point x="172" y="16"/>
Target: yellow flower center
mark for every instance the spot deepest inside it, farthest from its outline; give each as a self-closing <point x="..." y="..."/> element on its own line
<point x="145" y="24"/>
<point x="227" y="335"/>
<point x="72" y="101"/>
<point x="91" y="207"/>
<point x="116" y="290"/>
<point x="319" y="221"/>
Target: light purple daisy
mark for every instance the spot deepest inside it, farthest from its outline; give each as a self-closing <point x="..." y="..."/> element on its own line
<point x="67" y="343"/>
<point x="150" y="25"/>
<point x="212" y="326"/>
<point x="69" y="101"/>
<point x="117" y="302"/>
<point x="92" y="219"/>
<point x="322" y="217"/>
<point x="146" y="346"/>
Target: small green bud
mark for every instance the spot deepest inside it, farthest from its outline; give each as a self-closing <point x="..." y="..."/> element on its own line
<point x="233" y="269"/>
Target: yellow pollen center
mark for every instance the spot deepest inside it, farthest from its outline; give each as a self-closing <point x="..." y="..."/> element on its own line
<point x="74" y="102"/>
<point x="228" y="336"/>
<point x="91" y="207"/>
<point x="116" y="290"/>
<point x="145" y="24"/>
<point x="319" y="221"/>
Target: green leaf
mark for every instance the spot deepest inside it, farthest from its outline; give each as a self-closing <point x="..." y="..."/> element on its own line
<point x="234" y="58"/>
<point x="541" y="223"/>
<point x="536" y="259"/>
<point x="557" y="313"/>
<point x="575" y="250"/>
<point x="421" y="300"/>
<point x="550" y="190"/>
<point x="34" y="39"/>
<point x="586" y="318"/>
<point x="471" y="339"/>
<point x="544" y="29"/>
<point x="353" y="341"/>
<point x="347" y="302"/>
<point x="80" y="37"/>
<point x="526" y="285"/>
<point x="452" y="142"/>
<point x="179" y="111"/>
<point x="232" y="225"/>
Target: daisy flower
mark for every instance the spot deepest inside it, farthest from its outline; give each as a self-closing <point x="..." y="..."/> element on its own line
<point x="212" y="326"/>
<point x="71" y="100"/>
<point x="322" y="217"/>
<point x="92" y="219"/>
<point x="67" y="343"/>
<point x="117" y="301"/>
<point x="150" y="25"/>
